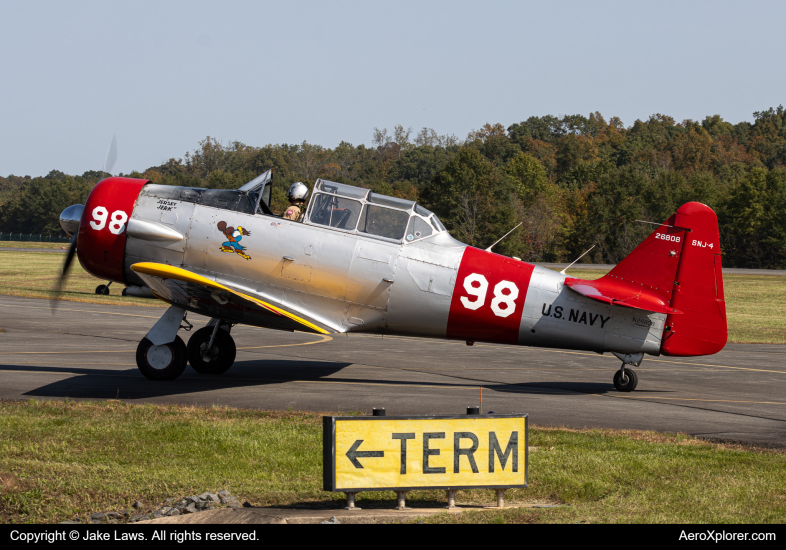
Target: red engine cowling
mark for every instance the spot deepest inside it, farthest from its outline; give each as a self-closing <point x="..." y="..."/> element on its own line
<point x="101" y="241"/>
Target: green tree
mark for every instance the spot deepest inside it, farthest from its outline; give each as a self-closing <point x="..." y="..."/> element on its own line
<point x="417" y="166"/>
<point x="716" y="126"/>
<point x="474" y="201"/>
<point x="691" y="151"/>
<point x="546" y="128"/>
<point x="544" y="152"/>
<point x="609" y="215"/>
<point x="573" y="150"/>
<point x="530" y="176"/>
<point x="753" y="226"/>
<point x="492" y="141"/>
<point x="36" y="206"/>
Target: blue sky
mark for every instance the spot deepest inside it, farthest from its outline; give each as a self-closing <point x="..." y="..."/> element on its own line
<point x="163" y="75"/>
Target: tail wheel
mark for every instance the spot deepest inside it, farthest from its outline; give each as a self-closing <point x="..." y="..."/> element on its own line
<point x="103" y="290"/>
<point x="215" y="360"/>
<point x="625" y="380"/>
<point x="164" y="362"/>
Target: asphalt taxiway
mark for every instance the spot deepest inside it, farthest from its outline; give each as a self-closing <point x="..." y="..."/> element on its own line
<point x="86" y="351"/>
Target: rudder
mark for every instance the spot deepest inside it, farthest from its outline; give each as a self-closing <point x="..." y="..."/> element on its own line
<point x="701" y="329"/>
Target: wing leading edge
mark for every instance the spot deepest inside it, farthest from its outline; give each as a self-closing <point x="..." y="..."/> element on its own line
<point x="179" y="286"/>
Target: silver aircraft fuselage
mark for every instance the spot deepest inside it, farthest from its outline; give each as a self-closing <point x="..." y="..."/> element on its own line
<point x="351" y="277"/>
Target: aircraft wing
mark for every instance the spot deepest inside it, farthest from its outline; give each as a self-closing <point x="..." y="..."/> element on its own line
<point x="620" y="293"/>
<point x="180" y="286"/>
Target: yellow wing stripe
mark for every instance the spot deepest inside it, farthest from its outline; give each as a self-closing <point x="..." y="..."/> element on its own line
<point x="171" y="272"/>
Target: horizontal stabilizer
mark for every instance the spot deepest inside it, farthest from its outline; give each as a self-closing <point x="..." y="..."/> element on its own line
<point x="620" y="293"/>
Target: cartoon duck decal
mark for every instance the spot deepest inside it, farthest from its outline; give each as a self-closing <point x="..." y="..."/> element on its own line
<point x="234" y="236"/>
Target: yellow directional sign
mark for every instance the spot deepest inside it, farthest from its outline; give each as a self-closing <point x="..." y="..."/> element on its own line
<point x="437" y="452"/>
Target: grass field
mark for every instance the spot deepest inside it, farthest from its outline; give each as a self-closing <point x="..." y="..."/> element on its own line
<point x="60" y="460"/>
<point x="17" y="244"/>
<point x="33" y="274"/>
<point x="755" y="304"/>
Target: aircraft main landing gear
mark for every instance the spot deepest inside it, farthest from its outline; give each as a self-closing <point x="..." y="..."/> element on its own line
<point x="211" y="350"/>
<point x="625" y="379"/>
<point x="164" y="362"/>
<point x="162" y="354"/>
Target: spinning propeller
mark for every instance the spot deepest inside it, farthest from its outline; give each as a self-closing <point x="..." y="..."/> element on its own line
<point x="70" y="219"/>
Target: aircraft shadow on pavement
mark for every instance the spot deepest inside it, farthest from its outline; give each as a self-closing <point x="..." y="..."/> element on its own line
<point x="563" y="388"/>
<point x="97" y="383"/>
<point x="555" y="388"/>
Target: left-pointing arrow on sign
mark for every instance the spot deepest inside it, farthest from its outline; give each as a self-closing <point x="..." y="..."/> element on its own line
<point x="353" y="454"/>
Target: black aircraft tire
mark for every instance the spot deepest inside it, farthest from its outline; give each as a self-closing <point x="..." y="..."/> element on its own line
<point x="103" y="290"/>
<point x="630" y="382"/>
<point x="223" y="352"/>
<point x="165" y="362"/>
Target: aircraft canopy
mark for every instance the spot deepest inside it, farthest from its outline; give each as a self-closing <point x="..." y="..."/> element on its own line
<point x="361" y="211"/>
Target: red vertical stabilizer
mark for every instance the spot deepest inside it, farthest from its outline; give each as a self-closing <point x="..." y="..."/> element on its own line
<point x="677" y="271"/>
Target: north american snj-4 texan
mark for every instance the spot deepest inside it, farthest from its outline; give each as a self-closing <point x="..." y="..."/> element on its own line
<point x="363" y="262"/>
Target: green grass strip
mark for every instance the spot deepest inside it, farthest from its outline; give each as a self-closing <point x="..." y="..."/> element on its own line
<point x="60" y="460"/>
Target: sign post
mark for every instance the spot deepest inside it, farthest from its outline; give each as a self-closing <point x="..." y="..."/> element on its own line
<point x="404" y="453"/>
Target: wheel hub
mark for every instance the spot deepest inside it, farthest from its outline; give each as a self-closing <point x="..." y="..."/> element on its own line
<point x="159" y="357"/>
<point x="208" y="355"/>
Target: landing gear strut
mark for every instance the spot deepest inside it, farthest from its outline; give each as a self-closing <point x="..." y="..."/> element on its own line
<point x="211" y="350"/>
<point x="625" y="379"/>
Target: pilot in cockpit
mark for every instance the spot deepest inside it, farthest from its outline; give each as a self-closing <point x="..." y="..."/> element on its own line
<point x="297" y="197"/>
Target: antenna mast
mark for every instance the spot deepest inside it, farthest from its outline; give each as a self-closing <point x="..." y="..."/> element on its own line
<point x="503" y="236"/>
<point x="576" y="260"/>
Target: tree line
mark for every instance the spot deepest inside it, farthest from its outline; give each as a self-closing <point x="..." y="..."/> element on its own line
<point x="575" y="181"/>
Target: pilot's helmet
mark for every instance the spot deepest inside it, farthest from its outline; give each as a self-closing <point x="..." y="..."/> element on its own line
<point x="297" y="191"/>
